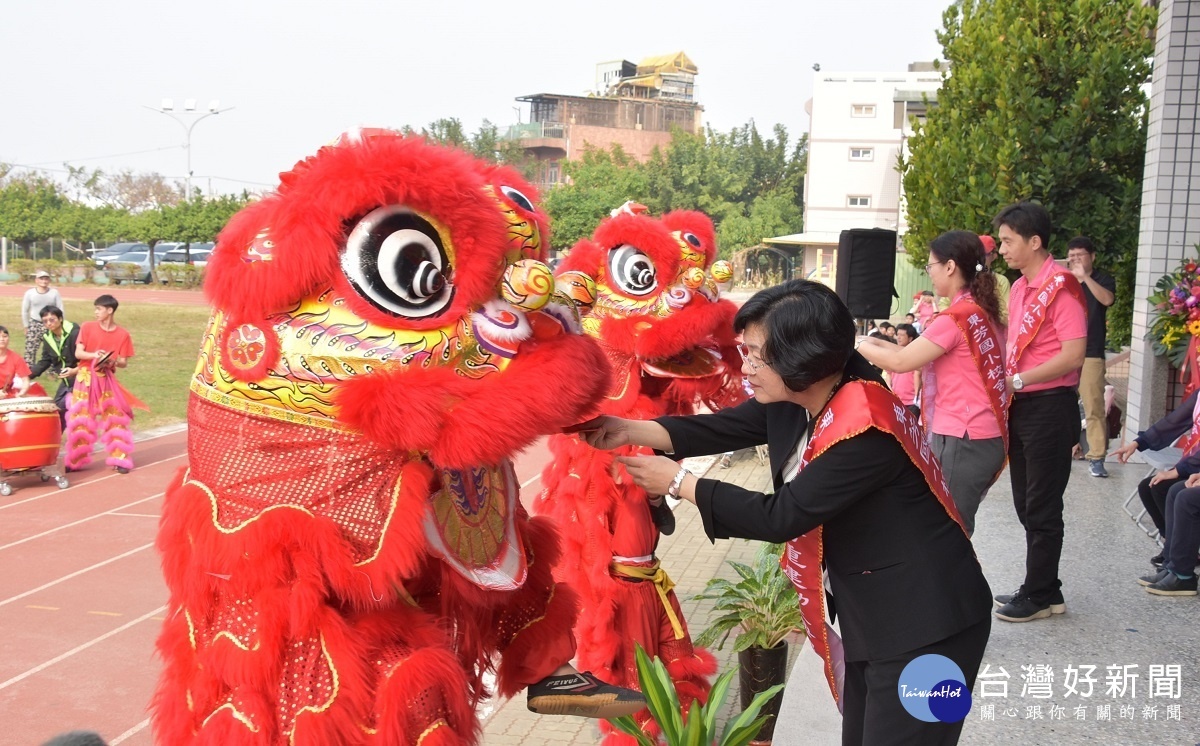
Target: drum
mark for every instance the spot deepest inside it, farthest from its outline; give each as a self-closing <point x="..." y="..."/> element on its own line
<point x="30" y="433"/>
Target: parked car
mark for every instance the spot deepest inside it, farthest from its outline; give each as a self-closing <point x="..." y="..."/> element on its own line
<point x="104" y="256"/>
<point x="119" y="274"/>
<point x="198" y="254"/>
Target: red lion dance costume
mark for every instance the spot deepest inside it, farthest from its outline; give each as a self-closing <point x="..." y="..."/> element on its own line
<point x="345" y="552"/>
<point x="670" y="341"/>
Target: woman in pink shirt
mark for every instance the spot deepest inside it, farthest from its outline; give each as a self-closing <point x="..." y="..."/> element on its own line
<point x="964" y="400"/>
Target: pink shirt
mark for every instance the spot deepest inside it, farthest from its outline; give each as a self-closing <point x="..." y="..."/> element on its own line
<point x="1066" y="319"/>
<point x="962" y="406"/>
<point x="904" y="386"/>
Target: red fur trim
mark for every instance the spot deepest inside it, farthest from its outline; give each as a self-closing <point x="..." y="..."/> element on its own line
<point x="698" y="322"/>
<point x="698" y="224"/>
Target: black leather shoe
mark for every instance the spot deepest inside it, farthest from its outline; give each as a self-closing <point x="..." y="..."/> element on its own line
<point x="1157" y="560"/>
<point x="122" y="470"/>
<point x="582" y="694"/>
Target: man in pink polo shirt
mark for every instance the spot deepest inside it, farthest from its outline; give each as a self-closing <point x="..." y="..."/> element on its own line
<point x="1047" y="338"/>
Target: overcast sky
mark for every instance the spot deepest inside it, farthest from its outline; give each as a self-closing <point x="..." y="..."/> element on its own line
<point x="76" y="74"/>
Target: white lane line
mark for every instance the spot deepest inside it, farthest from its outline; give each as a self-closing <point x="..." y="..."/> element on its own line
<point x="82" y="520"/>
<point x="131" y="732"/>
<point x="137" y="515"/>
<point x="113" y="475"/>
<point x="530" y="481"/>
<point x="76" y="574"/>
<point x="79" y="648"/>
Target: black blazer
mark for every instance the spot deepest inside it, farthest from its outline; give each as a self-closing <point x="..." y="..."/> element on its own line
<point x="903" y="574"/>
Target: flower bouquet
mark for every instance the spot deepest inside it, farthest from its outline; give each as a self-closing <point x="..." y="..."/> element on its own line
<point x="1176" y="326"/>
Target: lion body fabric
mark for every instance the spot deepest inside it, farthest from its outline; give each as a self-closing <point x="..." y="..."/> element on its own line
<point x="347" y="557"/>
<point x="669" y="339"/>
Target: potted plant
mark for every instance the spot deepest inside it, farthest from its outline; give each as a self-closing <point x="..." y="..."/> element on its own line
<point x="699" y="726"/>
<point x="762" y="606"/>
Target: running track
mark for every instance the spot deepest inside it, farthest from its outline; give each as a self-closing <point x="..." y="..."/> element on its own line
<point x="82" y="597"/>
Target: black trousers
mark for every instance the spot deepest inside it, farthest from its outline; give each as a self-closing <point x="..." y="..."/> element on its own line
<point x="872" y="714"/>
<point x="1154" y="499"/>
<point x="1183" y="529"/>
<point x="1041" y="432"/>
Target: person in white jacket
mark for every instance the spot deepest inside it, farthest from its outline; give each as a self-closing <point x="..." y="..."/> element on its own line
<point x="36" y="298"/>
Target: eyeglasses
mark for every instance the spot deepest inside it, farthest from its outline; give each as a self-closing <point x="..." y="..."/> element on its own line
<point x="927" y="266"/>
<point x="744" y="351"/>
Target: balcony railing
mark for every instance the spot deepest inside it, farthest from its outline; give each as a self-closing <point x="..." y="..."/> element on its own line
<point x="536" y="130"/>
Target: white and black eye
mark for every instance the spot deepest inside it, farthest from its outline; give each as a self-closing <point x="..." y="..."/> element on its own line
<point x="395" y="259"/>
<point x="692" y="239"/>
<point x="522" y="201"/>
<point x="631" y="270"/>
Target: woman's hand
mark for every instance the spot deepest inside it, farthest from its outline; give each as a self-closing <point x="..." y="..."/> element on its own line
<point x="1164" y="475"/>
<point x="654" y="474"/>
<point x="604" y="432"/>
<point x="1124" y="452"/>
<point x="1193" y="481"/>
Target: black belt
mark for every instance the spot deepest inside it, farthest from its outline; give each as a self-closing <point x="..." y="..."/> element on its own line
<point x="1021" y="395"/>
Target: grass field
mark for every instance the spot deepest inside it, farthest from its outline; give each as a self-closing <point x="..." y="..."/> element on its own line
<point x="166" y="341"/>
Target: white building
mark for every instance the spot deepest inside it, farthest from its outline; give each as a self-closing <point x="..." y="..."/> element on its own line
<point x="858" y="125"/>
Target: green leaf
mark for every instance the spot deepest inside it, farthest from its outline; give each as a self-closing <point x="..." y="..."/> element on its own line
<point x="627" y="725"/>
<point x="659" y="690"/>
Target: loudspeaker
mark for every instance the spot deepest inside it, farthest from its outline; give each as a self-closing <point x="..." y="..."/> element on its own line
<point x="866" y="271"/>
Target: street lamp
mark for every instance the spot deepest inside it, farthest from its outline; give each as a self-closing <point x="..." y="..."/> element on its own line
<point x="167" y="108"/>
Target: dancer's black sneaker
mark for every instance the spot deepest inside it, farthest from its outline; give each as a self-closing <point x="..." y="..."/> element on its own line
<point x="1058" y="604"/>
<point x="664" y="517"/>
<point x="584" y="695"/>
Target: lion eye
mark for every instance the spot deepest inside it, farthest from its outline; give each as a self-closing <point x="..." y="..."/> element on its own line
<point x="395" y="259"/>
<point x="631" y="270"/>
<point x="692" y="239"/>
<point x="522" y="201"/>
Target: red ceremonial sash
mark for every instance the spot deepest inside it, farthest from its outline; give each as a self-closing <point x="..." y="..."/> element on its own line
<point x="1035" y="313"/>
<point x="987" y="352"/>
<point x="855" y="408"/>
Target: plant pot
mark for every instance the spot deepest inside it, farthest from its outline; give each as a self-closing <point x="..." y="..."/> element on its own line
<point x="759" y="670"/>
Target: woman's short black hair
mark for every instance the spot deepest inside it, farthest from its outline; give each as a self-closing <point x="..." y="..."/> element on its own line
<point x="809" y="331"/>
<point x="3" y="330"/>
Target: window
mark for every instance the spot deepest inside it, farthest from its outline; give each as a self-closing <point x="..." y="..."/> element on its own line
<point x="858" y="200"/>
<point x="862" y="154"/>
<point x="862" y="110"/>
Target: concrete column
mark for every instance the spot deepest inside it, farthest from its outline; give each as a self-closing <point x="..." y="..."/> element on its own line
<point x="1170" y="217"/>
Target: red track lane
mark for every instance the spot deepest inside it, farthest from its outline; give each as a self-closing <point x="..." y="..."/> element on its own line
<point x="123" y="293"/>
<point x="82" y="596"/>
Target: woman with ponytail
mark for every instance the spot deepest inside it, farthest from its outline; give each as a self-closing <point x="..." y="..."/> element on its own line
<point x="964" y="402"/>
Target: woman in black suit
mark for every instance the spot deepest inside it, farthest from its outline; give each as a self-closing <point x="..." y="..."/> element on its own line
<point x="856" y="493"/>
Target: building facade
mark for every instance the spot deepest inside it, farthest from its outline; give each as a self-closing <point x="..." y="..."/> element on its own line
<point x="634" y="106"/>
<point x="858" y="125"/>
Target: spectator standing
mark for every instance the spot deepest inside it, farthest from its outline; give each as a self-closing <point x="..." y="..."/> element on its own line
<point x="1047" y="338"/>
<point x="36" y="298"/>
<point x="964" y="402"/>
<point x="907" y="386"/>
<point x="923" y="308"/>
<point x="1099" y="289"/>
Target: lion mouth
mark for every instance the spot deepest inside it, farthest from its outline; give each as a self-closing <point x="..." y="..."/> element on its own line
<point x="698" y="362"/>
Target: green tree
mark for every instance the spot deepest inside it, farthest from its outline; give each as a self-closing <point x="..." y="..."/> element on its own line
<point x="600" y="181"/>
<point x="1040" y="100"/>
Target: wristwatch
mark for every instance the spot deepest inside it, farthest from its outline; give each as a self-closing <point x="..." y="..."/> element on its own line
<point x="673" y="490"/>
<point x="1018" y="384"/>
